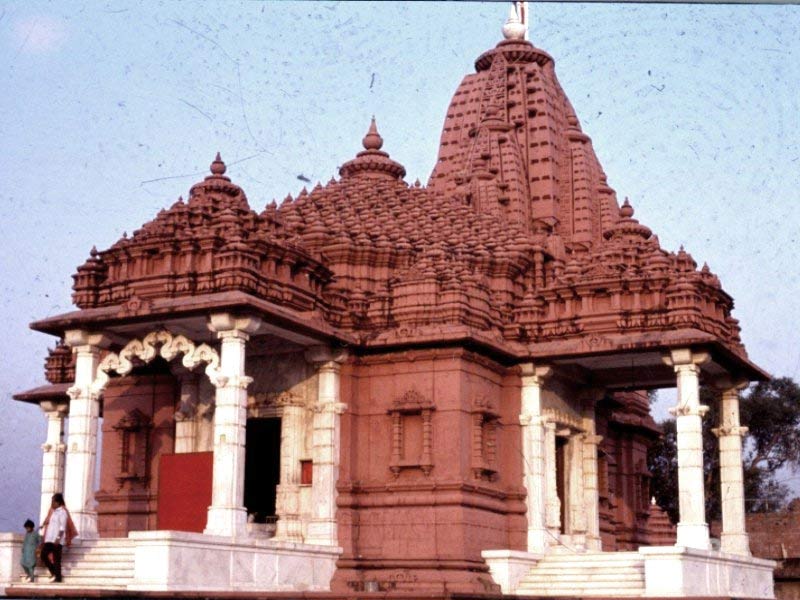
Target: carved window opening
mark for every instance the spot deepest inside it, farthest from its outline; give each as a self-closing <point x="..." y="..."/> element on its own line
<point x="412" y="433"/>
<point x="485" y="422"/>
<point x="134" y="444"/>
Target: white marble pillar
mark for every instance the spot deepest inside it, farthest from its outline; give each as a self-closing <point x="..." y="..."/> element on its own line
<point x="734" y="538"/>
<point x="577" y="499"/>
<point x="591" y="491"/>
<point x="551" y="470"/>
<point x="52" y="455"/>
<point x="325" y="454"/>
<point x="227" y="515"/>
<point x="84" y="411"/>
<point x="287" y="502"/>
<point x="186" y="416"/>
<point x="533" y="455"/>
<point x="692" y="531"/>
<point x="591" y="487"/>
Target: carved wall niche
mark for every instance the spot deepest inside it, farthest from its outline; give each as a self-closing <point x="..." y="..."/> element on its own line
<point x="134" y="447"/>
<point x="485" y="421"/>
<point x="412" y="433"/>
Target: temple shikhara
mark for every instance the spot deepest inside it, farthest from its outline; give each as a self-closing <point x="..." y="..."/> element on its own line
<point x="384" y="386"/>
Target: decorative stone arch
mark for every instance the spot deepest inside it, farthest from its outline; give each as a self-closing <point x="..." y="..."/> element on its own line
<point x="147" y="349"/>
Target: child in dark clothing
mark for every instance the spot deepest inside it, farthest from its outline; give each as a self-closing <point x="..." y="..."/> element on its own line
<point x="29" y="545"/>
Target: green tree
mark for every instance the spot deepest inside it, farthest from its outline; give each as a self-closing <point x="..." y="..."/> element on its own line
<point x="771" y="410"/>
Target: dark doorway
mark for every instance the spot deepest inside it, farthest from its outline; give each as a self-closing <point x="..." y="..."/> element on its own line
<point x="261" y="467"/>
<point x="561" y="479"/>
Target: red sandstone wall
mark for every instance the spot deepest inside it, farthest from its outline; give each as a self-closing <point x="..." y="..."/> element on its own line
<point x="428" y="529"/>
<point x="139" y="408"/>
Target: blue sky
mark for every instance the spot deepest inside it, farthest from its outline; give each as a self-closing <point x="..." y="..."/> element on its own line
<point x="112" y="110"/>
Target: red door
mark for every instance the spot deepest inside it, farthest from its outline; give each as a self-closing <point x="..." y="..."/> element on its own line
<point x="184" y="491"/>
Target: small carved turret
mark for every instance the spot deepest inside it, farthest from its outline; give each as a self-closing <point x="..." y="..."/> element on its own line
<point x="88" y="278"/>
<point x="372" y="161"/>
<point x="59" y="366"/>
<point x="627" y="227"/>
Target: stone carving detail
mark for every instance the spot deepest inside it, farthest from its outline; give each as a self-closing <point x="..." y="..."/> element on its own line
<point x="148" y="348"/>
<point x="563" y="419"/>
<point x="412" y="410"/>
<point x="485" y="421"/>
<point x="134" y="447"/>
<point x="287" y="398"/>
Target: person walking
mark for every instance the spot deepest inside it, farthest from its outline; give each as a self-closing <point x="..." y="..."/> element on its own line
<point x="58" y="531"/>
<point x="29" y="546"/>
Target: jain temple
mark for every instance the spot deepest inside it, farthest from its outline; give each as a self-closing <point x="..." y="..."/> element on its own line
<point x="380" y="387"/>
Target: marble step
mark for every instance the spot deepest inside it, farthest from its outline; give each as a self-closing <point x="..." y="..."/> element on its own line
<point x="617" y="574"/>
<point x="76" y="584"/>
<point x="111" y="548"/>
<point x="583" y="589"/>
<point x="98" y="570"/>
<point x="96" y="557"/>
<point x="604" y="557"/>
<point x="583" y="570"/>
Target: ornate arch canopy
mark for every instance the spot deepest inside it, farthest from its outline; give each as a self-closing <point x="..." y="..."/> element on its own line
<point x="159" y="343"/>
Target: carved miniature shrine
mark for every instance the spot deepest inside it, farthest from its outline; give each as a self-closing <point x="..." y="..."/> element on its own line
<point x="384" y="386"/>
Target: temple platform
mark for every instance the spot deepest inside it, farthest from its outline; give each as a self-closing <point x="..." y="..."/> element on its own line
<point x="171" y="561"/>
<point x="178" y="564"/>
<point x="650" y="572"/>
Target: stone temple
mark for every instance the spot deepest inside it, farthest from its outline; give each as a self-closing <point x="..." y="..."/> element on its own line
<point x="379" y="386"/>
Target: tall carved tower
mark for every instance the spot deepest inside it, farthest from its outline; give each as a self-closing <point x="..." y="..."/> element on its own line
<point x="512" y="147"/>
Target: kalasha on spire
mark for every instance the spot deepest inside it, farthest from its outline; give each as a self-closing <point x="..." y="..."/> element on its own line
<point x="373" y="139"/>
<point x="218" y="189"/>
<point x="372" y="161"/>
<point x="514" y="29"/>
<point x="218" y="167"/>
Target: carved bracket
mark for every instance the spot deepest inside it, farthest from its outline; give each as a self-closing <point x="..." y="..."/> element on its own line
<point x="147" y="349"/>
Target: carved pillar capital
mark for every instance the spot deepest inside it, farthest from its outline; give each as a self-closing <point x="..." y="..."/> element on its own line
<point x="326" y="356"/>
<point x="79" y="338"/>
<point x="729" y="384"/>
<point x="337" y="408"/>
<point x="685" y="359"/>
<point x="54" y="409"/>
<point x="739" y="431"/>
<point x="533" y="374"/>
<point x="684" y="410"/>
<point x="227" y="325"/>
<point x="592" y="440"/>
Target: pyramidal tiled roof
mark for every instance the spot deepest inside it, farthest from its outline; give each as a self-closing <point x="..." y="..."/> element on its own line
<point x="517" y="235"/>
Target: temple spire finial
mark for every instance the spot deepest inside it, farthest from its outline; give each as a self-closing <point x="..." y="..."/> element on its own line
<point x="218" y="167"/>
<point x="373" y="139"/>
<point x="522" y="13"/>
<point x="516" y="27"/>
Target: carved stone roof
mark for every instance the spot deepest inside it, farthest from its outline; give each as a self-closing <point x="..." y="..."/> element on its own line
<point x="212" y="243"/>
<point x="517" y="235"/>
